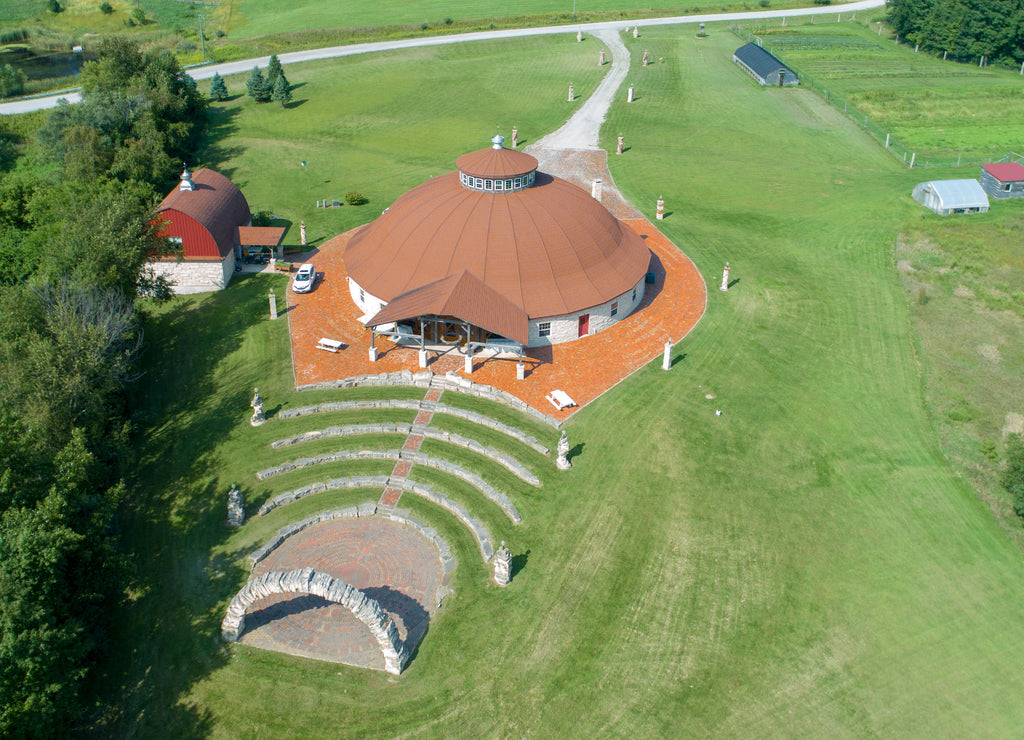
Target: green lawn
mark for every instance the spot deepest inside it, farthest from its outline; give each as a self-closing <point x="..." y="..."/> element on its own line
<point x="806" y="564"/>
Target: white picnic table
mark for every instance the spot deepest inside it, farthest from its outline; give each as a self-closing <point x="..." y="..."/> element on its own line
<point x="330" y="345"/>
<point x="560" y="399"/>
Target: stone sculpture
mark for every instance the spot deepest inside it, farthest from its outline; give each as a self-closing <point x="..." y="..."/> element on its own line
<point x="563" y="450"/>
<point x="502" y="565"/>
<point x="236" y="507"/>
<point x="258" y="417"/>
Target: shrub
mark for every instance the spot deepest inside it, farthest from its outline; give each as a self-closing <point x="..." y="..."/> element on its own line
<point x="106" y="8"/>
<point x="424" y="26"/>
<point x="1012" y="477"/>
<point x="447" y="21"/>
<point x="355" y="198"/>
<point x="54" y="7"/>
<point x="262" y="218"/>
<point x="220" y="33"/>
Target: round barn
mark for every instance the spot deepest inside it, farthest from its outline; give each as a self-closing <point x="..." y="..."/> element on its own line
<point x="495" y="254"/>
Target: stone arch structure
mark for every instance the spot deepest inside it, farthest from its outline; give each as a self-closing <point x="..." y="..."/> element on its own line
<point x="309" y="581"/>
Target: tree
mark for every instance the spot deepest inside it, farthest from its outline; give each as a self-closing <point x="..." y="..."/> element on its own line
<point x="1012" y="477"/>
<point x="12" y="81"/>
<point x="218" y="90"/>
<point x="257" y="87"/>
<point x="282" y="90"/>
<point x="273" y="69"/>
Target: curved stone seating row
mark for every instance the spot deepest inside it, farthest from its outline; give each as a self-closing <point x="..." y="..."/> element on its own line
<point x="410" y="405"/>
<point x="507" y="461"/>
<point x="381" y="481"/>
<point x="426" y="379"/>
<point x="308" y="581"/>
<point x="480" y="533"/>
<point x="401" y="516"/>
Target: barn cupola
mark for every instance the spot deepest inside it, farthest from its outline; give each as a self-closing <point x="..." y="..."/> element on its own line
<point x="496" y="170"/>
<point x="186" y="186"/>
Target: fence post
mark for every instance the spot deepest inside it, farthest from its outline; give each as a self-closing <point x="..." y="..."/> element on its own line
<point x="912" y="158"/>
<point x="887" y="141"/>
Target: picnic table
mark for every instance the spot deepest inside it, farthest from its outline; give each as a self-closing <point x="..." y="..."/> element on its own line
<point x="330" y="345"/>
<point x="560" y="399"/>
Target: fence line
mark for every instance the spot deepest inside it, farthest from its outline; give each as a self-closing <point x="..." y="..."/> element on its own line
<point x="889" y="142"/>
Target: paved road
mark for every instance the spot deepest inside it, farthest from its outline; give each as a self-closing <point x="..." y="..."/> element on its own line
<point x="230" y="68"/>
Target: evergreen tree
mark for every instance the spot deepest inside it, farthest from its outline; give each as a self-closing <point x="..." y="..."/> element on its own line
<point x="218" y="90"/>
<point x="257" y="87"/>
<point x="282" y="90"/>
<point x="273" y="69"/>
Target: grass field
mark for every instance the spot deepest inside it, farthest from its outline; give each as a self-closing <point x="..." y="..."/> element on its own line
<point x="921" y="100"/>
<point x="806" y="564"/>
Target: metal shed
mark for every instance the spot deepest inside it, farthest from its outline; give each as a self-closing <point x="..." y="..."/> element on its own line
<point x="1003" y="180"/>
<point x="764" y="67"/>
<point x="952" y="196"/>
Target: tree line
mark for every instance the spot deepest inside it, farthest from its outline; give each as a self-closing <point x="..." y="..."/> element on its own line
<point x="965" y="30"/>
<point x="77" y="199"/>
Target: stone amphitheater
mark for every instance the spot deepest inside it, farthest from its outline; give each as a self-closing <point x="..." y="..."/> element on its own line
<point x="360" y="584"/>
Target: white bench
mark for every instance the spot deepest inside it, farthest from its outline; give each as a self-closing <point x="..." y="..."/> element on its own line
<point x="330" y="345"/>
<point x="560" y="399"/>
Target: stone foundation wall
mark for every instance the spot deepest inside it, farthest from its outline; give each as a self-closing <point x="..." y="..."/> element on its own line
<point x="193" y="276"/>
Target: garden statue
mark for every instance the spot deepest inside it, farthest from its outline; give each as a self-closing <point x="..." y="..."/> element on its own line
<point x="502" y="565"/>
<point x="236" y="507"/>
<point x="258" y="417"/>
<point x="563" y="450"/>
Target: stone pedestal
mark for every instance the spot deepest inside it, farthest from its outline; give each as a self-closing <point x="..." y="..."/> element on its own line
<point x="273" y="305"/>
<point x="236" y="507"/>
<point x="618" y="144"/>
<point x="258" y="417"/>
<point x="600" y="62"/>
<point x="515" y="137"/>
<point x="469" y="362"/>
<point x="579" y="36"/>
<point x="572" y="92"/>
<point x="595" y="190"/>
<point x="629" y="94"/>
<point x="520" y="371"/>
<point x="636" y="31"/>
<point x="563" y="451"/>
<point x="302" y="232"/>
<point x="661" y="210"/>
<point x="725" y="278"/>
<point x="423" y="358"/>
<point x="373" y="354"/>
<point x="502" y="565"/>
<point x="666" y="360"/>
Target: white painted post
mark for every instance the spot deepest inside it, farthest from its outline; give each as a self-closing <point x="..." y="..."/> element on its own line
<point x="944" y="55"/>
<point x="572" y="92"/>
<point x="273" y="305"/>
<point x="595" y="190"/>
<point x="661" y="210"/>
<point x="469" y="361"/>
<point x="373" y="354"/>
<point x="912" y="158"/>
<point x="666" y="359"/>
<point x="600" y="62"/>
<point x="725" y="278"/>
<point x="520" y="371"/>
<point x="579" y="36"/>
<point x="916" y="47"/>
<point x="887" y="141"/>
<point x="423" y="358"/>
<point x="629" y="94"/>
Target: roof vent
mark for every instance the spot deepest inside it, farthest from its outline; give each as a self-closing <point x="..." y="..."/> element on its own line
<point x="497" y="141"/>
<point x="187" y="186"/>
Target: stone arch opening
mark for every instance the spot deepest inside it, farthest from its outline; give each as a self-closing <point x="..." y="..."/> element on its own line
<point x="309" y="581"/>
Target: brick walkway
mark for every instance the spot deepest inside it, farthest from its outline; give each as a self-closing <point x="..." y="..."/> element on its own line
<point x="584" y="368"/>
<point x="388" y="561"/>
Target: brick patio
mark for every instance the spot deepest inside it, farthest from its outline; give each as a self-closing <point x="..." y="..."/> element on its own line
<point x="584" y="368"/>
<point x="388" y="561"/>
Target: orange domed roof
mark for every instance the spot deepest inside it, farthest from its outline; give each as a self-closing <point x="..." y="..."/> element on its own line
<point x="496" y="163"/>
<point x="550" y="249"/>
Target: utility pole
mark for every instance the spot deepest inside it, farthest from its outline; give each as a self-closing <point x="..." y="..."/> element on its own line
<point x="202" y="38"/>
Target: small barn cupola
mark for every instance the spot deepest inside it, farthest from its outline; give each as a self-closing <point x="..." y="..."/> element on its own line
<point x="496" y="170"/>
<point x="186" y="186"/>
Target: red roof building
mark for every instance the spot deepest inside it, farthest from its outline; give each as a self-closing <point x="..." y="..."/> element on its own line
<point x="209" y="218"/>
<point x="1003" y="179"/>
<point x="510" y="252"/>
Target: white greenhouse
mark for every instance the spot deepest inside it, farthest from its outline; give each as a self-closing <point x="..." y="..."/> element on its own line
<point x="952" y="196"/>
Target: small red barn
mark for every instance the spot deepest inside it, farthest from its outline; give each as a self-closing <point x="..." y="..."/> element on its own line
<point x="1003" y="179"/>
<point x="206" y="214"/>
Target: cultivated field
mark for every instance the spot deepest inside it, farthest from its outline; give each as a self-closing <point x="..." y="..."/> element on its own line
<point x="942" y="111"/>
<point x="807" y="564"/>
